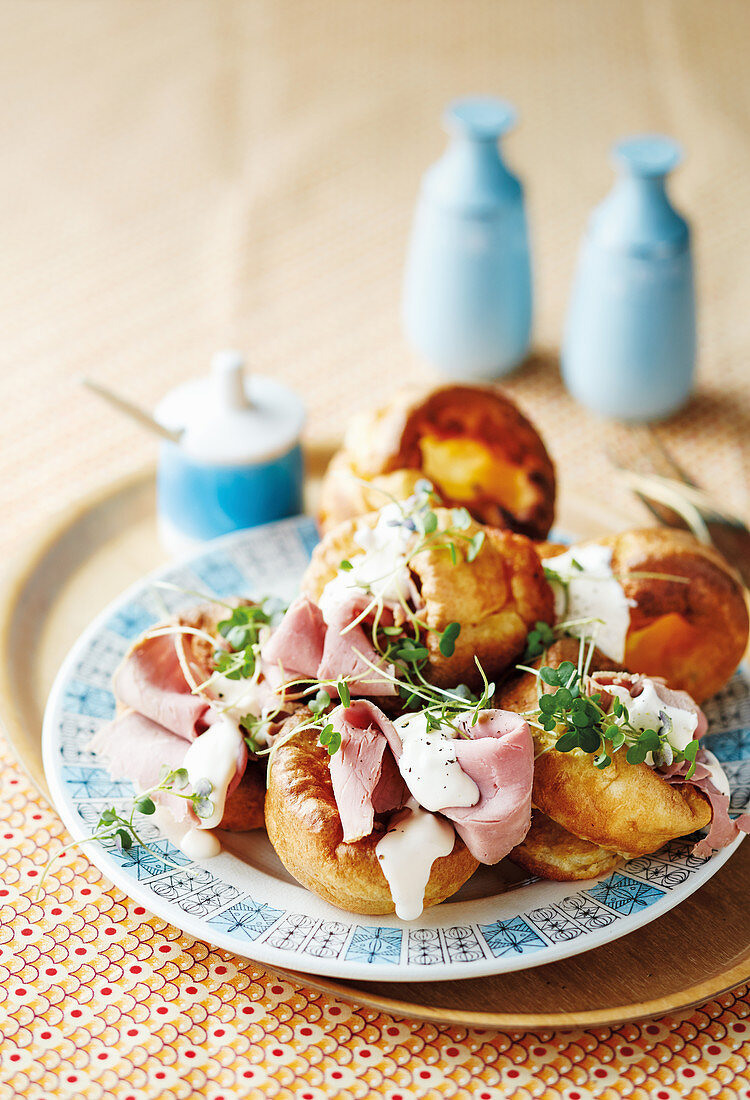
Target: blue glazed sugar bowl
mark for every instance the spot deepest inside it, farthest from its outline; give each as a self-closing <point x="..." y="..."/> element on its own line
<point x="237" y="460"/>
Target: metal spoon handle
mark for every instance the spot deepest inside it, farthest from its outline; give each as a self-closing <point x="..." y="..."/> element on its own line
<point x="135" y="412"/>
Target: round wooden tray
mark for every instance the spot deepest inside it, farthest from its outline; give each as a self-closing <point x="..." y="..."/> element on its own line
<point x="88" y="557"/>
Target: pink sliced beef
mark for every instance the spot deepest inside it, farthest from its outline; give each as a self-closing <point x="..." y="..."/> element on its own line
<point x="151" y="681"/>
<point x="296" y="645"/>
<point x="135" y="748"/>
<point x="347" y="654"/>
<point x="304" y="646"/>
<point x="497" y="754"/>
<point x="723" y="829"/>
<point x="364" y="774"/>
<point x="499" y="757"/>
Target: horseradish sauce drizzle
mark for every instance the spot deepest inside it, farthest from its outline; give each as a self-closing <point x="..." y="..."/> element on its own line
<point x="381" y="569"/>
<point x="591" y="592"/>
<point x="406" y="854"/>
<point x="429" y="765"/>
<point x="212" y="756"/>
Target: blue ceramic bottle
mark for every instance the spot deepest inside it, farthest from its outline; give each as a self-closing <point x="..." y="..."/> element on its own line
<point x="629" y="344"/>
<point x="467" y="287"/>
<point x="238" y="461"/>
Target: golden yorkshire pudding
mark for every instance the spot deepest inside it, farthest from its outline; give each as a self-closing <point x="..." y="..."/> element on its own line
<point x="305" y="830"/>
<point x="550" y="851"/>
<point x="471" y="442"/>
<point x="496" y="598"/>
<point x="625" y="808"/>
<point x="244" y="806"/>
<point x="691" y="632"/>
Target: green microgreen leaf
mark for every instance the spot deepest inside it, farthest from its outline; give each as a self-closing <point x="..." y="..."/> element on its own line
<point x="636" y="754"/>
<point x="447" y="644"/>
<point x="241" y="632"/>
<point x="344" y="694"/>
<point x="330" y="739"/>
<point x="475" y="545"/>
<point x="567" y="741"/>
<point x="124" y="839"/>
<point x="461" y="518"/>
<point x="321" y="701"/>
<point x="537" y="640"/>
<point x="689" y="752"/>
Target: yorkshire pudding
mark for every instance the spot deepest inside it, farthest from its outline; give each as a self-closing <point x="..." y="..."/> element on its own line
<point x="471" y="442"/>
<point x="550" y="851"/>
<point x="624" y="808"/>
<point x="691" y="632"/>
<point x="496" y="598"/>
<point x="304" y="828"/>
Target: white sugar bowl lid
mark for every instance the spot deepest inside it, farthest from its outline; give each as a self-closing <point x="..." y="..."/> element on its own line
<point x="227" y="419"/>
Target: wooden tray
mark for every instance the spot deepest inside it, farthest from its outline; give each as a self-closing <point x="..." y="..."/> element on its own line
<point x="88" y="557"/>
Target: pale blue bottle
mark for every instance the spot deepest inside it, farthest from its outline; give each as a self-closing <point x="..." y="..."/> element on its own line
<point x="467" y="285"/>
<point x="629" y="345"/>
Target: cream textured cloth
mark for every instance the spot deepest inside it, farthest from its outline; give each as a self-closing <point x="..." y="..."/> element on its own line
<point x="180" y="175"/>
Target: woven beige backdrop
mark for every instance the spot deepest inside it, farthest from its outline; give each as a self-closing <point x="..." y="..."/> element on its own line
<point x="179" y="175"/>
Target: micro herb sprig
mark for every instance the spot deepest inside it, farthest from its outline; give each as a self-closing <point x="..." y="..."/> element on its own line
<point x="543" y="635"/>
<point x="256" y="730"/>
<point x="319" y="707"/>
<point x="581" y="722"/>
<point x="419" y="515"/>
<point x="328" y="737"/>
<point x="442" y="707"/>
<point x="119" y="825"/>
<point x="241" y="632"/>
<point x="538" y="640"/>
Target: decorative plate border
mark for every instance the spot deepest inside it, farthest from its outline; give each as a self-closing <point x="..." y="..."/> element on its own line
<point x="456" y="939"/>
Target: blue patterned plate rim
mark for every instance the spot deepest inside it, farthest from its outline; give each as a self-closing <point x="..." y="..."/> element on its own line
<point x="250" y="907"/>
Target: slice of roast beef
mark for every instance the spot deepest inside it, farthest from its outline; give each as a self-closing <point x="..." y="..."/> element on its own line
<point x="364" y="774"/>
<point x="150" y="680"/>
<point x="723" y="829"/>
<point x="499" y="757"/>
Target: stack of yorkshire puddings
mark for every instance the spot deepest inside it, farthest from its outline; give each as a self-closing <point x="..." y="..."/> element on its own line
<point x="449" y="689"/>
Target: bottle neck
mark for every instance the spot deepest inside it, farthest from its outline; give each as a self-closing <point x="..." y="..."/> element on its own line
<point x="472" y="176"/>
<point x="637" y="215"/>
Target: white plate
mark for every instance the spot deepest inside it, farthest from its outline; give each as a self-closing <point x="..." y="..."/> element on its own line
<point x="245" y="902"/>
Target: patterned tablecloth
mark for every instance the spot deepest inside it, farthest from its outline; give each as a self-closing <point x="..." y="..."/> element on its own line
<point x="194" y="173"/>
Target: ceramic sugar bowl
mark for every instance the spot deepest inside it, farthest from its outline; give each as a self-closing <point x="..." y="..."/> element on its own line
<point x="237" y="460"/>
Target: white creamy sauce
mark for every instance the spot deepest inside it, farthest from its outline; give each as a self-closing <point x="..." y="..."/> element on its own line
<point x="643" y="712"/>
<point x="429" y="766"/>
<point x="200" y="843"/>
<point x="593" y="592"/>
<point x="406" y="854"/>
<point x="236" y="698"/>
<point x="381" y="568"/>
<point x="718" y="775"/>
<point x="212" y="756"/>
